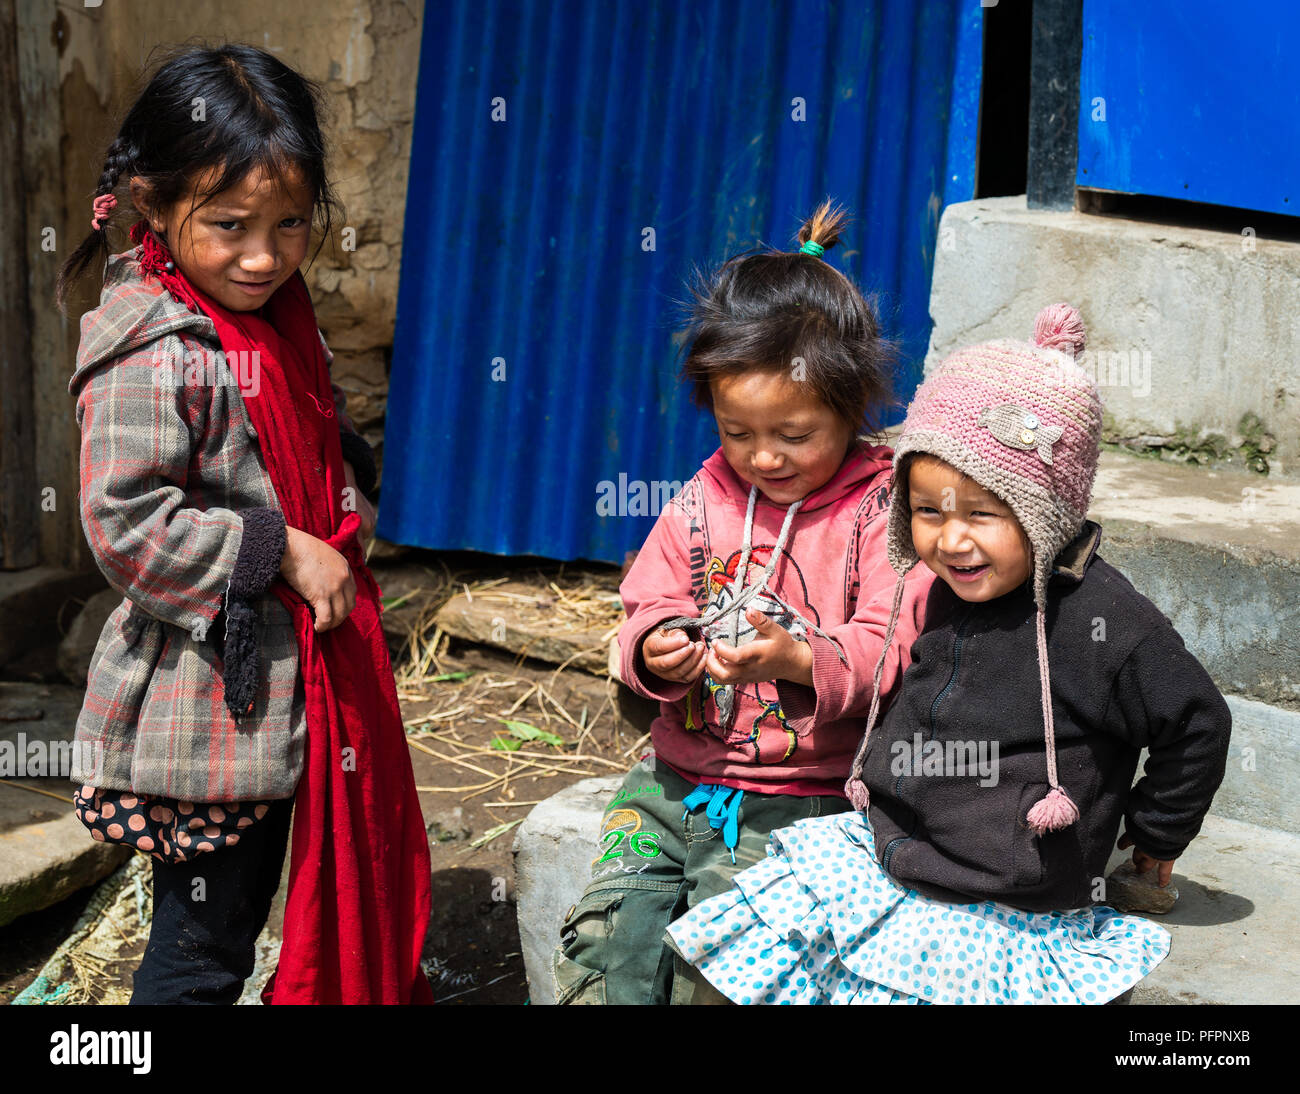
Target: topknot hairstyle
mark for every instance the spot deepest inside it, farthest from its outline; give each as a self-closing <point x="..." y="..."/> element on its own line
<point x="230" y="110"/>
<point x="774" y="310"/>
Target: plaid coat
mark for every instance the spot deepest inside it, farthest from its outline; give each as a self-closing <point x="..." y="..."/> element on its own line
<point x="166" y="470"/>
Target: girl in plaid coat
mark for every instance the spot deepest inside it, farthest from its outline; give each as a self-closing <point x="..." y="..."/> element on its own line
<point x="217" y="501"/>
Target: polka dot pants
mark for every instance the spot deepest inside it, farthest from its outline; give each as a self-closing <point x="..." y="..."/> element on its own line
<point x="169" y="830"/>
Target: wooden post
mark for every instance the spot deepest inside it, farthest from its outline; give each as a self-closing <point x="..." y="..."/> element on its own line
<point x="18" y="540"/>
<point x="1056" y="52"/>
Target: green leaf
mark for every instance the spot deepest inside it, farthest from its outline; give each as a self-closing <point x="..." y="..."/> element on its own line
<point x="505" y="744"/>
<point x="525" y="732"/>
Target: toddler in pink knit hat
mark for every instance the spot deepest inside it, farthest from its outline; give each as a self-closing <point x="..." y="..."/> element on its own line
<point x="990" y="791"/>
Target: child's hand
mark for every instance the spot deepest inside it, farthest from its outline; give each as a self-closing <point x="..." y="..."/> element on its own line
<point x="364" y="509"/>
<point x="1142" y="862"/>
<point x="321" y="576"/>
<point x="774" y="655"/>
<point x="671" y="655"/>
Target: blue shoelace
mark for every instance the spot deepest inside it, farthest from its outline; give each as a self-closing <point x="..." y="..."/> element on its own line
<point x="722" y="811"/>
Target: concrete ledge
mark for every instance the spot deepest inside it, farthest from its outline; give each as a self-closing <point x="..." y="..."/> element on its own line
<point x="553" y="852"/>
<point x="46" y="854"/>
<point x="1218" y="554"/>
<point x="42" y="863"/>
<point x="1233" y="927"/>
<point x="1253" y="516"/>
<point x="1262" y="783"/>
<point x="1190" y="329"/>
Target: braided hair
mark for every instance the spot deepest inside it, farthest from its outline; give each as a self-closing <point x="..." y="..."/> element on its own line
<point x="227" y="110"/>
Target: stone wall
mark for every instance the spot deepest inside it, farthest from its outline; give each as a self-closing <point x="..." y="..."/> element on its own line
<point x="80" y="64"/>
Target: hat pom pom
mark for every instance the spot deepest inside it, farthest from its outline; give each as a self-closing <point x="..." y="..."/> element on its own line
<point x="1060" y="327"/>
<point x="1054" y="812"/>
<point x="859" y="798"/>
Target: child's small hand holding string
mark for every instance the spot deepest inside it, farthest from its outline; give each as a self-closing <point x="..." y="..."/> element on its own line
<point x="775" y="655"/>
<point x="1142" y="862"/>
<point x="321" y="576"/>
<point x="671" y="655"/>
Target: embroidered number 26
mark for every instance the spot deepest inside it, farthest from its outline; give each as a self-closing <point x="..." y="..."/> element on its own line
<point x="645" y="844"/>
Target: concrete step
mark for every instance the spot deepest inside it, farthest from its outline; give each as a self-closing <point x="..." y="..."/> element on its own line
<point x="1190" y="331"/>
<point x="43" y="862"/>
<point x="1218" y="552"/>
<point x="46" y="854"/>
<point x="1233" y="926"/>
<point x="1261" y="784"/>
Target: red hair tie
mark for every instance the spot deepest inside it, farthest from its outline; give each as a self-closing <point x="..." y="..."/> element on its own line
<point x="103" y="205"/>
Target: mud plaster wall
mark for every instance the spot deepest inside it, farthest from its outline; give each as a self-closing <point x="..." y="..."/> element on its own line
<point x="80" y="67"/>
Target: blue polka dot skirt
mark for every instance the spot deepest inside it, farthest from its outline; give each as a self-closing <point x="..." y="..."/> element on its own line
<point x="819" y="921"/>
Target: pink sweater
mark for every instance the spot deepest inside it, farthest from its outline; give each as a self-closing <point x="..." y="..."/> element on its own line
<point x="786" y="738"/>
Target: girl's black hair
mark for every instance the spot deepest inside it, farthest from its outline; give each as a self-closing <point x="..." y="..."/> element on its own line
<point x="763" y="309"/>
<point x="234" y="108"/>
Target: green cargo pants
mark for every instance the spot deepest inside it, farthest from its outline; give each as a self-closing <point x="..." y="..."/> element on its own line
<point x="654" y="864"/>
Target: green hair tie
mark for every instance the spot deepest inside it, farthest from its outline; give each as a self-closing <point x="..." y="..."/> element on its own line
<point x="814" y="249"/>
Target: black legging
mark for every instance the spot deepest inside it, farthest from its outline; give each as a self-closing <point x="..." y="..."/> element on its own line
<point x="202" y="950"/>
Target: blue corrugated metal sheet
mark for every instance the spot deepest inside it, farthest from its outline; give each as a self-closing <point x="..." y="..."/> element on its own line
<point x="1189" y="99"/>
<point x="534" y="356"/>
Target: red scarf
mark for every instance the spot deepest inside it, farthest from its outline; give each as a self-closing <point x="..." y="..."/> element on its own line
<point x="359" y="884"/>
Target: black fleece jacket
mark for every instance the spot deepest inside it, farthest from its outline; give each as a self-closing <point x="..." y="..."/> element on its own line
<point x="1121" y="680"/>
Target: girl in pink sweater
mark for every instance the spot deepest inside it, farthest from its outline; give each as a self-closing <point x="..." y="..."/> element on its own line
<point x="755" y="612"/>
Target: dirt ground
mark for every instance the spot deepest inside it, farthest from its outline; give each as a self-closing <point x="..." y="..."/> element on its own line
<point x="491" y="733"/>
<point x="28" y="942"/>
<point x="473" y="940"/>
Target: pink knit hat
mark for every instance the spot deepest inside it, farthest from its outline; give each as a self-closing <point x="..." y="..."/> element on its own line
<point x="1024" y="421"/>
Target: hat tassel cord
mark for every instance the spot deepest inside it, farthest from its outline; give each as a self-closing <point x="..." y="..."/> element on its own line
<point x="1056" y="810"/>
